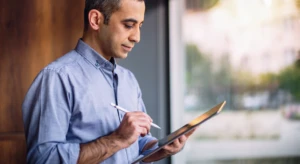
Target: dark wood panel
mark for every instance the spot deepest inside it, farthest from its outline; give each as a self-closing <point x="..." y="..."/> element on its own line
<point x="13" y="34"/>
<point x="12" y="136"/>
<point x="33" y="33"/>
<point x="13" y="151"/>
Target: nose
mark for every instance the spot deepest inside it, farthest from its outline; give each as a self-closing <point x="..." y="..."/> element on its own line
<point x="135" y="35"/>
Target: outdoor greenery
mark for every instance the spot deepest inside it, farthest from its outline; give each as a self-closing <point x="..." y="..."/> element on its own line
<point x="289" y="80"/>
<point x="205" y="79"/>
<point x="213" y="81"/>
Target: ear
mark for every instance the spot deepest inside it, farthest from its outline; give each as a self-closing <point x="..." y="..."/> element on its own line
<point x="95" y="19"/>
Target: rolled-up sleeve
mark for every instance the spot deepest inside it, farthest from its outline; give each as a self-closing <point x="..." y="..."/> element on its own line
<point x="46" y="115"/>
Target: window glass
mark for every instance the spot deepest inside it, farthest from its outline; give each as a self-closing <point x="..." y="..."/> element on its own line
<point x="247" y="53"/>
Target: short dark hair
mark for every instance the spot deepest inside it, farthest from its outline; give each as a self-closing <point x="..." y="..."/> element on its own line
<point x="106" y="7"/>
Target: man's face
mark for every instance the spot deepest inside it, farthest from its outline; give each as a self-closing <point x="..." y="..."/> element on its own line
<point x="123" y="30"/>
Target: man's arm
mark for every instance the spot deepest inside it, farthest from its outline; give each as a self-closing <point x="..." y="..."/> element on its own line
<point x="133" y="125"/>
<point x="46" y="116"/>
<point x="99" y="150"/>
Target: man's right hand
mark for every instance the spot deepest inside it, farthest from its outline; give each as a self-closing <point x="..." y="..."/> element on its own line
<point x="133" y="125"/>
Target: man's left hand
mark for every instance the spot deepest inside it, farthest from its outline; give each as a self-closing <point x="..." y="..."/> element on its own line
<point x="169" y="149"/>
<point x="178" y="144"/>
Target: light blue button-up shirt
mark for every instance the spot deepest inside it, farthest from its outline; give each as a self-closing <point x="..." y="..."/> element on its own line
<point x="68" y="103"/>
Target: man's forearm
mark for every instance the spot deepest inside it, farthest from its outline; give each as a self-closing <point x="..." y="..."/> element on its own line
<point x="99" y="150"/>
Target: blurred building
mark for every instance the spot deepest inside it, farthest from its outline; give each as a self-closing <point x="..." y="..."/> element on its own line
<point x="255" y="34"/>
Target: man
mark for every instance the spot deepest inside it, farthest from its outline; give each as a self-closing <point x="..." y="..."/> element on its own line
<point x="67" y="113"/>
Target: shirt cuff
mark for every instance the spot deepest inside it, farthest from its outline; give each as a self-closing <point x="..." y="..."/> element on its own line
<point x="143" y="142"/>
<point x="146" y="152"/>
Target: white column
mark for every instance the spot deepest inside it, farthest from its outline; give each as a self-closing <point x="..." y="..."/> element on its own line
<point x="177" y="69"/>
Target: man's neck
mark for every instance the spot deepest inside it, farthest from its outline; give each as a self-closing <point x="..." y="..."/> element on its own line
<point x="91" y="40"/>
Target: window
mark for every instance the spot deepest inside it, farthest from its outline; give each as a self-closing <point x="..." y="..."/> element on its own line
<point x="236" y="51"/>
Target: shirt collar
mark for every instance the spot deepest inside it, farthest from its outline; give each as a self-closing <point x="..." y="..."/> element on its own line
<point x="93" y="57"/>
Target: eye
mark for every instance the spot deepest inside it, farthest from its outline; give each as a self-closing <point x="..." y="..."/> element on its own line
<point x="128" y="26"/>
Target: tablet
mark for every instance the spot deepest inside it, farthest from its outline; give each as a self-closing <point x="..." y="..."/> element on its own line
<point x="183" y="130"/>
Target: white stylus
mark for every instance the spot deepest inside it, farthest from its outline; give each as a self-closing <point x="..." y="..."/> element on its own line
<point x="124" y="110"/>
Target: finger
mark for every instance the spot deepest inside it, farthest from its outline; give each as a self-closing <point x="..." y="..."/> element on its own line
<point x="146" y="127"/>
<point x="138" y="119"/>
<point x="142" y="114"/>
<point x="143" y="131"/>
<point x="137" y="116"/>
<point x="182" y="139"/>
<point x="171" y="148"/>
<point x="176" y="143"/>
<point x="144" y="124"/>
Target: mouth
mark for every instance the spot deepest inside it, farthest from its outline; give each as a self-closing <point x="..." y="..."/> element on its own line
<point x="127" y="48"/>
